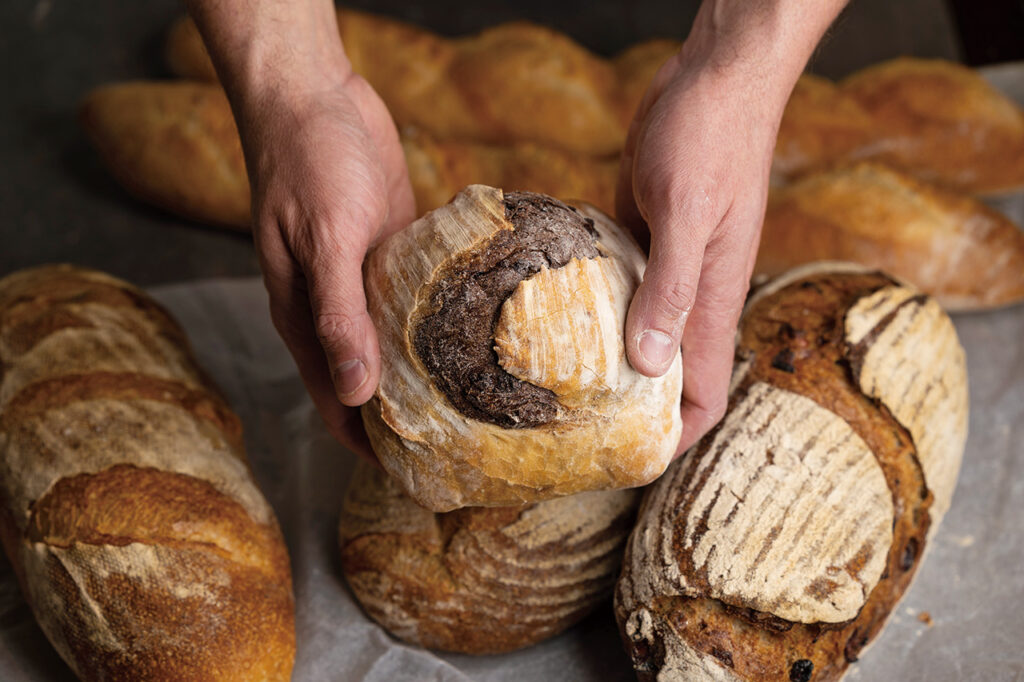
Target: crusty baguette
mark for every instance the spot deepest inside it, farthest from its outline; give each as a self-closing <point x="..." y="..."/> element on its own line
<point x="174" y="144"/>
<point x="776" y="548"/>
<point x="516" y="82"/>
<point x="480" y="580"/>
<point x="953" y="247"/>
<point x="933" y="119"/>
<point x="127" y="508"/>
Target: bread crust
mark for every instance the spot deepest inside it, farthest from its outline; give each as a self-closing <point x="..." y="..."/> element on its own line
<point x="480" y="580"/>
<point x="128" y="509"/>
<point x="778" y="546"/>
<point x="953" y="247"/>
<point x="622" y="434"/>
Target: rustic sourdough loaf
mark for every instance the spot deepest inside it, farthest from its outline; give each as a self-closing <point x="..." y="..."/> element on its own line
<point x="776" y="547"/>
<point x="480" y="580"/>
<point x="504" y="374"/>
<point x="127" y="508"/>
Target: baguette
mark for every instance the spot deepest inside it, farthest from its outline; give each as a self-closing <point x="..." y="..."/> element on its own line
<point x="955" y="248"/>
<point x="127" y="508"/>
<point x="936" y="120"/>
<point x="776" y="548"/>
<point x="174" y="144"/>
<point x="516" y="82"/>
<point x="480" y="580"/>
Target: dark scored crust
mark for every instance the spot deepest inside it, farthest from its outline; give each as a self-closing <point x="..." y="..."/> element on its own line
<point x="456" y="340"/>
<point x="794" y="340"/>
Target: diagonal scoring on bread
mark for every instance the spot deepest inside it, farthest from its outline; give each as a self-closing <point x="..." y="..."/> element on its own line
<point x="739" y="568"/>
<point x="127" y="507"/>
<point x="479" y="580"/>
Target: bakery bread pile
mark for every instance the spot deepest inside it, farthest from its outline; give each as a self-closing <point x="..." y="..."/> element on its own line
<point x="127" y="508"/>
<point x="504" y="377"/>
<point x="175" y="144"/>
<point x="776" y="548"/>
<point x="480" y="580"/>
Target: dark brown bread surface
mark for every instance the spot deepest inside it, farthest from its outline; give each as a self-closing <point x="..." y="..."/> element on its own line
<point x="126" y="504"/>
<point x="709" y="617"/>
<point x="480" y="580"/>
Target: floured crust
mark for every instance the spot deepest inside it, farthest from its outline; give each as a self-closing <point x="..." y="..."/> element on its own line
<point x="953" y="247"/>
<point x="479" y="580"/>
<point x="738" y="569"/>
<point x="623" y="437"/>
<point x="128" y="509"/>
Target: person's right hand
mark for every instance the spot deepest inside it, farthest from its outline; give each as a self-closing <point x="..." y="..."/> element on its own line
<point x="329" y="181"/>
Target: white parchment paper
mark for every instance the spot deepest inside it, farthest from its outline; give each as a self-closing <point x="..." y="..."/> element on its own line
<point x="962" y="620"/>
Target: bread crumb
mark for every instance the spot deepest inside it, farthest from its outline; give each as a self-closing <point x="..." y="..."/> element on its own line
<point x="925" y="618"/>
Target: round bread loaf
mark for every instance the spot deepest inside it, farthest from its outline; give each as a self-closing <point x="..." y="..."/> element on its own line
<point x="504" y="375"/>
<point x="480" y="580"/>
<point x="775" y="549"/>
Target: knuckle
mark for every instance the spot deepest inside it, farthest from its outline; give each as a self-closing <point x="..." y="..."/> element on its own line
<point x="673" y="299"/>
<point x="335" y="330"/>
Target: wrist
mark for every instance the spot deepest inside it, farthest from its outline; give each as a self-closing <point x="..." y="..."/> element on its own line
<point x="758" y="46"/>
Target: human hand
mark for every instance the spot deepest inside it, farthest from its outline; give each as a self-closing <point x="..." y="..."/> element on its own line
<point x="695" y="173"/>
<point x="329" y="181"/>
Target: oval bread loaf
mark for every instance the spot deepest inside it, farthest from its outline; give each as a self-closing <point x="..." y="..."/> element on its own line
<point x="127" y="507"/>
<point x="504" y="377"/>
<point x="776" y="548"/>
<point x="480" y="580"/>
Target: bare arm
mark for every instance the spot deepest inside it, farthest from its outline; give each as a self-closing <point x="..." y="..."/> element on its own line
<point x="695" y="173"/>
<point x="329" y="180"/>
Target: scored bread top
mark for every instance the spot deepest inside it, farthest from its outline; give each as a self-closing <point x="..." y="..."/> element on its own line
<point x="127" y="506"/>
<point x="780" y="542"/>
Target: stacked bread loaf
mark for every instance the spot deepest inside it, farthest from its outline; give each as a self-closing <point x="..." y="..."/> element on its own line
<point x="127" y="508"/>
<point x="776" y="548"/>
<point x="480" y="580"/>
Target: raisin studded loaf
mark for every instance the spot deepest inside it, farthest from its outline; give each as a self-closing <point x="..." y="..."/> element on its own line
<point x="127" y="508"/>
<point x="775" y="549"/>
<point x="480" y="580"/>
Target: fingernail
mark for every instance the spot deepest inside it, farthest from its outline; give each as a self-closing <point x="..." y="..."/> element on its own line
<point x="350" y="376"/>
<point x="657" y="348"/>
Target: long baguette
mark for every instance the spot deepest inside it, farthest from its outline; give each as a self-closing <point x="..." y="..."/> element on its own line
<point x="175" y="144"/>
<point x="127" y="508"/>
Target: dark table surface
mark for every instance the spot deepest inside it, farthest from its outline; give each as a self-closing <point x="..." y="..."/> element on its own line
<point x="57" y="203"/>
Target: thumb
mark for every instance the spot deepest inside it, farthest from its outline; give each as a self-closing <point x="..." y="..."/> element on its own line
<point x="663" y="301"/>
<point x="343" y="325"/>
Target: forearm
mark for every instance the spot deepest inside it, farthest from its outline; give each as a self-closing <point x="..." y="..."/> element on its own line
<point x="764" y="44"/>
<point x="272" y="49"/>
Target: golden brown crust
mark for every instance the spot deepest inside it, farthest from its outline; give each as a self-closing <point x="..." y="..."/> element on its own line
<point x="479" y="580"/>
<point x="129" y="513"/>
<point x="174" y="145"/>
<point x="953" y="247"/>
<point x="803" y="339"/>
<point x="517" y="82"/>
<point x="612" y="428"/>
<point x="936" y="120"/>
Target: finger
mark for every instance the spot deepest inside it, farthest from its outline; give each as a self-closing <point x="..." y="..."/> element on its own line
<point x="709" y="339"/>
<point x="290" y="313"/>
<point x="332" y="266"/>
<point x="662" y="303"/>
